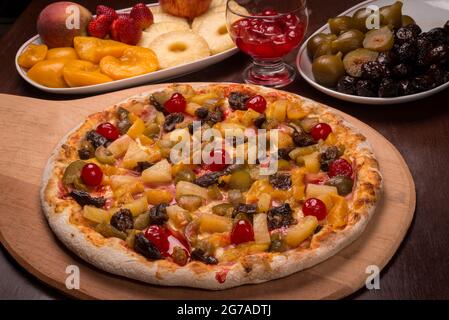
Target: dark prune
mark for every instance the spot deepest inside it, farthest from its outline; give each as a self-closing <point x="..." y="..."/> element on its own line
<point x="326" y="157"/>
<point x="347" y="85"/>
<point x="416" y="30"/>
<point x="375" y="71"/>
<point x="403" y="34"/>
<point x="171" y="120"/>
<point x="436" y="35"/>
<point x="83" y="198"/>
<point x="302" y="139"/>
<point x="387" y="58"/>
<point x="208" y="179"/>
<point x="158" y="214"/>
<point x="144" y="246"/>
<point x="436" y="74"/>
<point x="407" y="52"/>
<point x="96" y="139"/>
<point x="237" y="100"/>
<point x="247" y="209"/>
<point x="157" y="104"/>
<point x="202" y="112"/>
<point x="366" y="88"/>
<point x="446" y="76"/>
<point x="85" y="154"/>
<point x="124" y="125"/>
<point x="142" y="165"/>
<point x="283" y="153"/>
<point x="446" y="27"/>
<point x="278" y="217"/>
<point x="422" y="83"/>
<point x="405" y="88"/>
<point x="260" y="120"/>
<point x="281" y="181"/>
<point x="215" y="116"/>
<point x="122" y="220"/>
<point x="199" y="255"/>
<point x="401" y="71"/>
<point x="388" y="88"/>
<point x="439" y="54"/>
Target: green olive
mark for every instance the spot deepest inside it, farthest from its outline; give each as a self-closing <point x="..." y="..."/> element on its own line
<point x="343" y="184"/>
<point x="317" y="40"/>
<point x="348" y="41"/>
<point x="392" y="14"/>
<point x="324" y="48"/>
<point x="179" y="256"/>
<point x="406" y="20"/>
<point x="73" y="172"/>
<point x="142" y="221"/>
<point x="240" y="180"/>
<point x="223" y="209"/>
<point x="379" y="39"/>
<point x="124" y="125"/>
<point x="152" y="129"/>
<point x="277" y="243"/>
<point x="190" y="202"/>
<point x="242" y="216"/>
<point x="214" y="193"/>
<point x="103" y="155"/>
<point x="338" y="25"/>
<point x="360" y="19"/>
<point x="122" y="113"/>
<point x="185" y="175"/>
<point x="235" y="196"/>
<point x="130" y="239"/>
<point x="108" y="231"/>
<point x="328" y="69"/>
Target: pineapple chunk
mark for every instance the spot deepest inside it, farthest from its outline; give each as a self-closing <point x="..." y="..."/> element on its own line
<point x="157" y="196"/>
<point x="134" y="154"/>
<point x="295" y="112"/>
<point x="298" y="186"/>
<point x="257" y="188"/>
<point x="327" y="200"/>
<point x="249" y="116"/>
<point x="188" y="188"/>
<point x="191" y="108"/>
<point x="242" y="250"/>
<point x="212" y="223"/>
<point x="277" y="110"/>
<point x="136" y="129"/>
<point x="119" y="146"/>
<point x="312" y="162"/>
<point x="338" y="216"/>
<point x="138" y="206"/>
<point x="178" y="216"/>
<point x="203" y="97"/>
<point x="285" y="141"/>
<point x="96" y="214"/>
<point x="264" y="202"/>
<point x="136" y="108"/>
<point x="300" y="232"/>
<point x="331" y="139"/>
<point x="145" y="141"/>
<point x="120" y="181"/>
<point x="316" y="190"/>
<point x="260" y="226"/>
<point x="158" y="173"/>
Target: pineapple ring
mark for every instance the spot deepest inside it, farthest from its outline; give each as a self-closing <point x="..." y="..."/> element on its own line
<point x="157" y="29"/>
<point x="213" y="29"/>
<point x="165" y="17"/>
<point x="179" y="47"/>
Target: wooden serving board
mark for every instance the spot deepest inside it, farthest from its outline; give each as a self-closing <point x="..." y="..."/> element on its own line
<point x="31" y="128"/>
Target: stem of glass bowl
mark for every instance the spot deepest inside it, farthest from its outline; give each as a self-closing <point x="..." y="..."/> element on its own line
<point x="269" y="72"/>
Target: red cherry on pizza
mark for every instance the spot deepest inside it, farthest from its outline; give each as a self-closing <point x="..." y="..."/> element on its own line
<point x="320" y="131"/>
<point x="242" y="232"/>
<point x="257" y="103"/>
<point x="340" y="167"/>
<point x="108" y="130"/>
<point x="177" y="103"/>
<point x="314" y="207"/>
<point x="221" y="163"/>
<point x="158" y="236"/>
<point x="91" y="174"/>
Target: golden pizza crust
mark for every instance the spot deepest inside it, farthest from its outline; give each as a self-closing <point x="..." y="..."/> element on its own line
<point x="112" y="254"/>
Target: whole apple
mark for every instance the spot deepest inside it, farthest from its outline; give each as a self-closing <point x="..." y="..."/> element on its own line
<point x="60" y="22"/>
<point x="185" y="8"/>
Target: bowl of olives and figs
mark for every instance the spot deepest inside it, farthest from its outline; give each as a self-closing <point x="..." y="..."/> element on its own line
<point x="397" y="62"/>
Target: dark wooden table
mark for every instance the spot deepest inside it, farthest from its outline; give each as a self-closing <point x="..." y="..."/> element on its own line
<point x="420" y="131"/>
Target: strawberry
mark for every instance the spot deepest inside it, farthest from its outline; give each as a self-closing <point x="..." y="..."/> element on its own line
<point x="126" y="30"/>
<point x="107" y="11"/>
<point x="99" y="27"/>
<point x="142" y="14"/>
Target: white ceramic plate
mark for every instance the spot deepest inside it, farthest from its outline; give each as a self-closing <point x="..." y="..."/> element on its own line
<point x="155" y="76"/>
<point x="428" y="14"/>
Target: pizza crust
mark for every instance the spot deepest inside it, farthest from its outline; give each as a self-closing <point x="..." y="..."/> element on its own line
<point x="113" y="256"/>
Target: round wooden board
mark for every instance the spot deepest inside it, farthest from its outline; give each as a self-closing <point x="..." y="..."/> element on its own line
<point x="30" y="130"/>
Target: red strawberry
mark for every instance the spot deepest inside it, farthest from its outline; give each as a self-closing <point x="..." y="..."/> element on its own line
<point x="126" y="30"/>
<point x="107" y="11"/>
<point x="142" y="14"/>
<point x="99" y="27"/>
